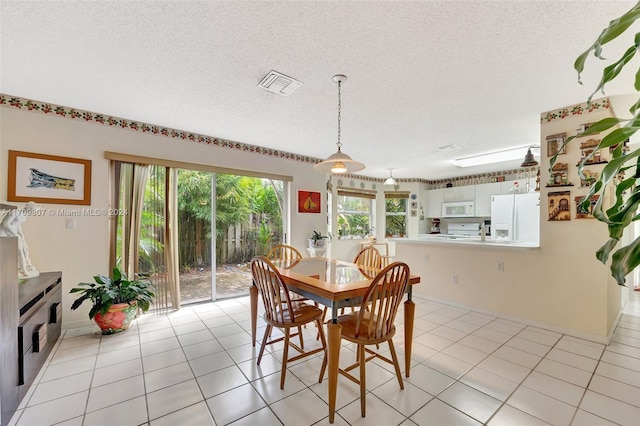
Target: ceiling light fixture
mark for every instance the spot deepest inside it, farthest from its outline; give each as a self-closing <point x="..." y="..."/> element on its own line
<point x="529" y="160"/>
<point x="339" y="162"/>
<point x="390" y="180"/>
<point x="493" y="157"/>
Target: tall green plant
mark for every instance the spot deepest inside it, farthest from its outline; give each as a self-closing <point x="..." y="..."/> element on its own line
<point x="624" y="210"/>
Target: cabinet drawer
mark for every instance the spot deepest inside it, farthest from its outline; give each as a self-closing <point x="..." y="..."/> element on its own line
<point x="34" y="324"/>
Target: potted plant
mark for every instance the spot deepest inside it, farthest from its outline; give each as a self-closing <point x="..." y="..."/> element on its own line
<point x="115" y="299"/>
<point x="318" y="240"/>
<point x="623" y="211"/>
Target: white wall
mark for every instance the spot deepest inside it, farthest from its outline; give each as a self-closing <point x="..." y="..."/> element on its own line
<point x="561" y="285"/>
<point x="83" y="252"/>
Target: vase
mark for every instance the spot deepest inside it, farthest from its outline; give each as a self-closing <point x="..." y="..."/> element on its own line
<point x="319" y="243"/>
<point x="117" y="318"/>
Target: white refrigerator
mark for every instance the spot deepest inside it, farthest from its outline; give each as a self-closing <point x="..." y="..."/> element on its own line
<point x="516" y="217"/>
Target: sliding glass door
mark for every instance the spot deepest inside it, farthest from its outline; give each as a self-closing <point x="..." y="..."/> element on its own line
<point x="196" y="231"/>
<point x="247" y="213"/>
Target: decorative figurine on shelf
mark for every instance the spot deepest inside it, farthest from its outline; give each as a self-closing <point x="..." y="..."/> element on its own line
<point x="11" y="226"/>
<point x="538" y="181"/>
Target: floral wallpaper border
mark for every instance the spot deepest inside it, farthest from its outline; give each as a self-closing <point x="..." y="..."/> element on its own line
<point x="579" y="109"/>
<point x="107" y="120"/>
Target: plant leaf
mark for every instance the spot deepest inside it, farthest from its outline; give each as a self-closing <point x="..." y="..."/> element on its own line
<point x="625" y="260"/>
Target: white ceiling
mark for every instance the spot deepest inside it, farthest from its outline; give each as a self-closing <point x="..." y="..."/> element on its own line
<point x="421" y="74"/>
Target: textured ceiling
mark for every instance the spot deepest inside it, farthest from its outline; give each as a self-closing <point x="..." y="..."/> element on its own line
<point x="421" y="74"/>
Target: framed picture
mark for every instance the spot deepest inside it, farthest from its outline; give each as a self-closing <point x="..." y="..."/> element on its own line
<point x="559" y="205"/>
<point x="414" y="213"/>
<point x="48" y="179"/>
<point x="554" y="144"/>
<point x="414" y="204"/>
<point x="309" y="202"/>
<point x="582" y="213"/>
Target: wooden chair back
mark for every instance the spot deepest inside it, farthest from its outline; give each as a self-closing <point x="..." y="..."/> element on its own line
<point x="369" y="257"/>
<point x="274" y="292"/>
<point x="284" y="252"/>
<point x="380" y="304"/>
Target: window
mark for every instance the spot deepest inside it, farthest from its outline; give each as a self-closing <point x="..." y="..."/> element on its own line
<point x="396" y="214"/>
<point x="354" y="213"/>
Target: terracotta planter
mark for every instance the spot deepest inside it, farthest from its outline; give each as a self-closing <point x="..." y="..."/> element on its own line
<point x="117" y="318"/>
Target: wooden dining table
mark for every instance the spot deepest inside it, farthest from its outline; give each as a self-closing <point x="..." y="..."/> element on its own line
<point x="335" y="284"/>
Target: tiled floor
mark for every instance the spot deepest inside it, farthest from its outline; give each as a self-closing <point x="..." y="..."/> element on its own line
<point x="197" y="367"/>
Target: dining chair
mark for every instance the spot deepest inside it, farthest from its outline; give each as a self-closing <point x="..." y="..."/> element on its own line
<point x="283" y="313"/>
<point x="369" y="257"/>
<point x="287" y="253"/>
<point x="373" y="323"/>
<point x="284" y="252"/>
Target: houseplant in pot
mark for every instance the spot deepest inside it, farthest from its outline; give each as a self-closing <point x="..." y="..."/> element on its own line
<point x="624" y="188"/>
<point x="318" y="240"/>
<point x="115" y="299"/>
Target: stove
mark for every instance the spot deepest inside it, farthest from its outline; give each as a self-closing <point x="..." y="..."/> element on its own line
<point x="470" y="229"/>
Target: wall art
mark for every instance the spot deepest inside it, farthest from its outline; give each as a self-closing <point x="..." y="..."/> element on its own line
<point x="559" y="205"/>
<point x="582" y="213"/>
<point x="48" y="179"/>
<point x="309" y="202"/>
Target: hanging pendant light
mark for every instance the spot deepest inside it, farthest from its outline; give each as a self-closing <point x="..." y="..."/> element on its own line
<point x="529" y="160"/>
<point x="339" y="162"/>
<point x="390" y="180"/>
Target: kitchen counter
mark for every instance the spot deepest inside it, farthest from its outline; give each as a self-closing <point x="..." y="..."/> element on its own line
<point x="466" y="241"/>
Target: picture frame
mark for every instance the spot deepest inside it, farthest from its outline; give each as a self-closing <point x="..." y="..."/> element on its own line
<point x="554" y="144"/>
<point x="588" y="213"/>
<point x="48" y="179"/>
<point x="309" y="201"/>
<point x="559" y="206"/>
<point x="414" y="205"/>
<point x="414" y="213"/>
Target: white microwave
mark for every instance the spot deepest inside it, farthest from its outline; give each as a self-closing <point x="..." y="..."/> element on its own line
<point x="458" y="209"/>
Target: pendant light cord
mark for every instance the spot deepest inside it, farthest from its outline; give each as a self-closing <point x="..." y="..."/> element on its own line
<point x="339" y="108"/>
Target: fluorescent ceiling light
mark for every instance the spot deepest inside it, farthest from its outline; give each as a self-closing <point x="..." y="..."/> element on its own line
<point x="516" y="153"/>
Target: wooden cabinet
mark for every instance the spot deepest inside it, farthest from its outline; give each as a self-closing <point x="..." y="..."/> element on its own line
<point x="30" y="324"/>
<point x="9" y="395"/>
<point x="40" y="301"/>
<point x="434" y="202"/>
<point x="483" y="197"/>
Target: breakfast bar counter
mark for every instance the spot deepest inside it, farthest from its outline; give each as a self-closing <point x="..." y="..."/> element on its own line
<point x="453" y="240"/>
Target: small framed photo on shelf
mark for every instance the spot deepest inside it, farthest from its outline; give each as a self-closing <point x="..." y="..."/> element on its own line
<point x="583" y="128"/>
<point x="559" y="205"/>
<point x="625" y="147"/>
<point x="585" y="212"/>
<point x="555" y="144"/>
<point x="590" y="177"/>
<point x="589" y="149"/>
<point x="559" y="175"/>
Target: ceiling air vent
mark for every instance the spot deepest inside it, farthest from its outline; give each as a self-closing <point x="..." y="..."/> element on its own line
<point x="279" y="83"/>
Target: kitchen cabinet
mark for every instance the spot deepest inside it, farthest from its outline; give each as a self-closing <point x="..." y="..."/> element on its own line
<point x="434" y="202"/>
<point x="460" y="193"/>
<point x="483" y="197"/>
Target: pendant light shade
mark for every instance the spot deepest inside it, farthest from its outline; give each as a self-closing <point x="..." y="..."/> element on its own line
<point x="390" y="180"/>
<point x="529" y="160"/>
<point x="339" y="162"/>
